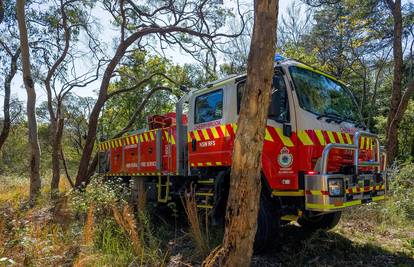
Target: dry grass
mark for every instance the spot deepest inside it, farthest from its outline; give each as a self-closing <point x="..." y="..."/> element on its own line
<point x="128" y="223"/>
<point x="190" y="206"/>
<point x="88" y="229"/>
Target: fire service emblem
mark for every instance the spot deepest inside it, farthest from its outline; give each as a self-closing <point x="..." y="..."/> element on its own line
<point x="285" y="158"/>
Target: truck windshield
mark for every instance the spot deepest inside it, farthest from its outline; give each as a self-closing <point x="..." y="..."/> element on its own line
<point x="323" y="96"/>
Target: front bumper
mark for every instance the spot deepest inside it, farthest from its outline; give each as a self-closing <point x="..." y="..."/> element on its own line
<point x="355" y="190"/>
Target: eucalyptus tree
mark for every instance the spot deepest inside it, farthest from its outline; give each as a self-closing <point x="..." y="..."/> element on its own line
<point x="9" y="58"/>
<point x="245" y="184"/>
<point x="400" y="96"/>
<point x="192" y="26"/>
<point x="58" y="54"/>
<point x="35" y="181"/>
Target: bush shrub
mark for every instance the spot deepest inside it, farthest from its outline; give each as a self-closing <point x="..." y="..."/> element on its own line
<point x="402" y="188"/>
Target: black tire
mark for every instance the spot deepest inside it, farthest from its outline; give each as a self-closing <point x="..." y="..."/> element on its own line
<point x="323" y="222"/>
<point x="268" y="224"/>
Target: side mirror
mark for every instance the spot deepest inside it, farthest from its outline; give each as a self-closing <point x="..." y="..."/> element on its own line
<point x="287" y="130"/>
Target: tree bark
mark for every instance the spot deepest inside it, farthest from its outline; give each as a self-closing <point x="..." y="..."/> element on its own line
<point x="398" y="104"/>
<point x="56" y="155"/>
<point x="6" y="105"/>
<point x="245" y="183"/>
<point x="56" y="119"/>
<point x="35" y="182"/>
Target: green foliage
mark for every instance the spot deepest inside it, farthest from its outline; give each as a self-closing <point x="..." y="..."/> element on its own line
<point x="401" y="185"/>
<point x="119" y="109"/>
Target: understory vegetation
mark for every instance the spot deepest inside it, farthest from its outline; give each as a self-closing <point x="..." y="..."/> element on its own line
<point x="104" y="226"/>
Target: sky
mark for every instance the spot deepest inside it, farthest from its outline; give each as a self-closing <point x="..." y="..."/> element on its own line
<point x="108" y="33"/>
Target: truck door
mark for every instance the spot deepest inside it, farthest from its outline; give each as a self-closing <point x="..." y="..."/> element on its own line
<point x="279" y="157"/>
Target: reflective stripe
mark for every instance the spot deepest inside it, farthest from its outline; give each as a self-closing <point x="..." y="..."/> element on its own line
<point x="341" y="139"/>
<point x="348" y="138"/>
<point x="205" y="134"/>
<point x="268" y="137"/>
<point x="234" y="126"/>
<point x="331" y="137"/>
<point x="320" y="136"/>
<point x="224" y="130"/>
<point x="285" y="140"/>
<point x="304" y="138"/>
<point x="298" y="193"/>
<point x="361" y="146"/>
<point x="214" y="132"/>
<point x="197" y="137"/>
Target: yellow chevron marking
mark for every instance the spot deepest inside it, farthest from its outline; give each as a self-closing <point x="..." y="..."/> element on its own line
<point x="208" y="163"/>
<point x="136" y="139"/>
<point x="234" y="126"/>
<point x="218" y="163"/>
<point x="320" y="137"/>
<point x="214" y="132"/>
<point x="224" y="130"/>
<point x="141" y="138"/>
<point x="188" y="137"/>
<point x="172" y="140"/>
<point x="119" y="142"/>
<point x="286" y="193"/>
<point x="146" y="137"/>
<point x="127" y="140"/>
<point x="316" y="192"/>
<point x="112" y="144"/>
<point x="151" y="134"/>
<point x="331" y="137"/>
<point x="378" y="198"/>
<point x="200" y="164"/>
<point x="197" y="137"/>
<point x="304" y="138"/>
<point x="348" y="138"/>
<point x="361" y="146"/>
<point x="268" y="137"/>
<point x="205" y="134"/>
<point x="286" y="140"/>
<point x="341" y="139"/>
<point x="369" y="144"/>
<point x="166" y="136"/>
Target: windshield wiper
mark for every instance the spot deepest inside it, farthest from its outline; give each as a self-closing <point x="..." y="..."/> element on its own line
<point x="331" y="117"/>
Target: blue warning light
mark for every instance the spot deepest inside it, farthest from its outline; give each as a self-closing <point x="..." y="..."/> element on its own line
<point x="279" y="57"/>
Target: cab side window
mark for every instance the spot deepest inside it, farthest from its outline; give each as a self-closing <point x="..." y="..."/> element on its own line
<point x="279" y="105"/>
<point x="209" y="107"/>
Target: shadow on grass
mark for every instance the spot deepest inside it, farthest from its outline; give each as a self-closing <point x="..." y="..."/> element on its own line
<point x="299" y="248"/>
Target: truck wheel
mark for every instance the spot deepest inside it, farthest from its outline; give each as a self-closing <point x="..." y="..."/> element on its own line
<point x="268" y="224"/>
<point x="324" y="222"/>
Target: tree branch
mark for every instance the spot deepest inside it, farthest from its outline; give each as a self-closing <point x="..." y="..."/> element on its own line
<point x="139" y="84"/>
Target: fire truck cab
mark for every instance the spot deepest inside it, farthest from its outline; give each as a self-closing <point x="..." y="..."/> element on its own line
<point x="317" y="159"/>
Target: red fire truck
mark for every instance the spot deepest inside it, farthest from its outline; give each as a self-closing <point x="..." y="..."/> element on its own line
<point x="318" y="158"/>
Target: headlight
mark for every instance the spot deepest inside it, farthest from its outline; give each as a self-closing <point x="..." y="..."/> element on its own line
<point x="336" y="187"/>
